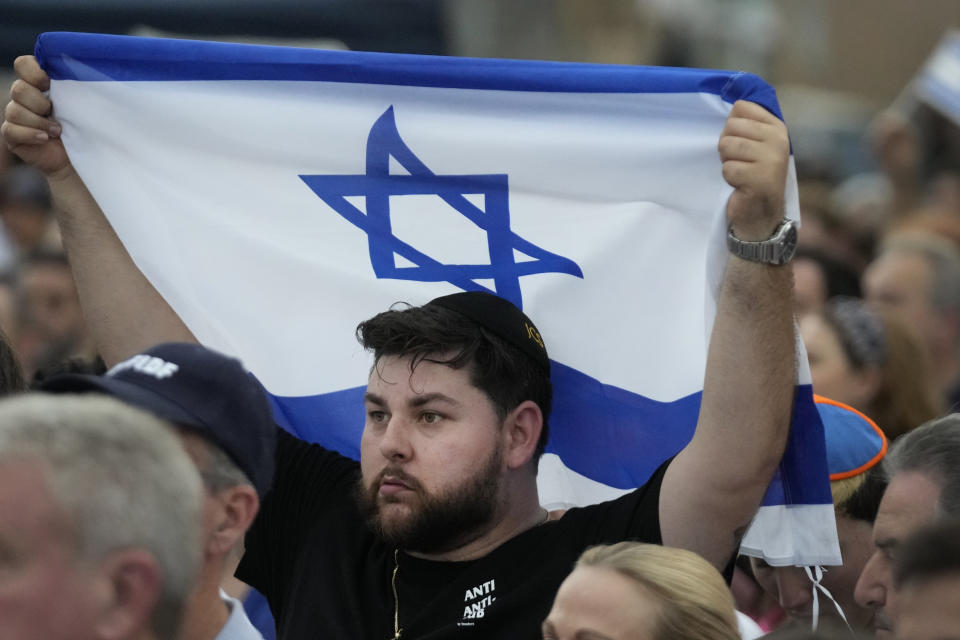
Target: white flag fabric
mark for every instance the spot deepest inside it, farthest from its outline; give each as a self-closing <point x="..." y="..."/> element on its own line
<point x="276" y="197"/>
<point x="938" y="83"/>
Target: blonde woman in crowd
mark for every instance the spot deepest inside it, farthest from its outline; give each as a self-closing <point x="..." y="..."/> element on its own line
<point x="634" y="591"/>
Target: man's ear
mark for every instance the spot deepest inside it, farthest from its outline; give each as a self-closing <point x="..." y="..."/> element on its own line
<point x="522" y="432"/>
<point x="238" y="507"/>
<point x="129" y="585"/>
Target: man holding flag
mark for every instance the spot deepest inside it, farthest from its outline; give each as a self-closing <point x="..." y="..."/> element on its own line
<point x="446" y="536"/>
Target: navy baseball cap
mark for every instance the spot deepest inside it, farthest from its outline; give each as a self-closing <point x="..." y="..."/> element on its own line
<point x="198" y="389"/>
<point x="501" y="317"/>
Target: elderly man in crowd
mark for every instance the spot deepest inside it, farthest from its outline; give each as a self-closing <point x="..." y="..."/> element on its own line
<point x="926" y="574"/>
<point x="99" y="522"/>
<point x="923" y="467"/>
<point x="225" y="423"/>
<point x="916" y="276"/>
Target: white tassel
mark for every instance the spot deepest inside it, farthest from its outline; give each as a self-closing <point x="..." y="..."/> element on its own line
<point x="816" y="575"/>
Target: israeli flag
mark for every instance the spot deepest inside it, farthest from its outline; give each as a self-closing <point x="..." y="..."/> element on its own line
<point x="276" y="197"/>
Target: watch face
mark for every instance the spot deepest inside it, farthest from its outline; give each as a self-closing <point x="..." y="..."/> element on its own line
<point x="789" y="242"/>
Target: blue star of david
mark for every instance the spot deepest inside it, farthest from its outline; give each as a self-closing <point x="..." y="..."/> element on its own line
<point x="377" y="185"/>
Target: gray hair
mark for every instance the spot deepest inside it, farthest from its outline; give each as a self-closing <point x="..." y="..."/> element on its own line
<point x="933" y="449"/>
<point x="121" y="480"/>
<point x="221" y="472"/>
<point x="943" y="258"/>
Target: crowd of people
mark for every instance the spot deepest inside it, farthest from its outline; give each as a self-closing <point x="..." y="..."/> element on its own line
<point x="129" y="496"/>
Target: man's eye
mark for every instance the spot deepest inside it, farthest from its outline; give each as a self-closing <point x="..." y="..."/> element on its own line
<point x="377" y="416"/>
<point x="429" y="417"/>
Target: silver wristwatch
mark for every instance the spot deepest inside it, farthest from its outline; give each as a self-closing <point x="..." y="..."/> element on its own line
<point x="777" y="249"/>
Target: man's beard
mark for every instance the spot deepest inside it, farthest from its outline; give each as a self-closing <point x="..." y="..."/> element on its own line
<point x="436" y="523"/>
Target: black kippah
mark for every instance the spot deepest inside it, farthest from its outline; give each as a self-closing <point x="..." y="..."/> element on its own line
<point x="501" y="317"/>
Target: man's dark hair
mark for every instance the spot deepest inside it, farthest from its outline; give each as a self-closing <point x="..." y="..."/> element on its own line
<point x="840" y="278"/>
<point x="864" y="502"/>
<point x="932" y="449"/>
<point x="80" y="365"/>
<point x="930" y="553"/>
<point x="435" y="333"/>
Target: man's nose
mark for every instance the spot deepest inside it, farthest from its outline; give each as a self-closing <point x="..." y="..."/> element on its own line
<point x="394" y="442"/>
<point x="870" y="590"/>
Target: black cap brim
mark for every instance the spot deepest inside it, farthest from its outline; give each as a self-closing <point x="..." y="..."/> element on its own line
<point x="132" y="394"/>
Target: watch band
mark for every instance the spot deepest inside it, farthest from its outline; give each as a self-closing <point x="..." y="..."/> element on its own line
<point x="778" y="249"/>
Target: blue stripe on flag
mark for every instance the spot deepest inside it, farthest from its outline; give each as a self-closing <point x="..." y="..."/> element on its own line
<point x="603" y="432"/>
<point x="94" y="57"/>
<point x="805" y="458"/>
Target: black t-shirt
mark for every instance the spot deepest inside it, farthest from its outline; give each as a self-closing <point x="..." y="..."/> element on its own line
<point x="327" y="576"/>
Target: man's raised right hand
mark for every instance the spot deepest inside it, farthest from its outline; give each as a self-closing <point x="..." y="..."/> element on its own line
<point x="28" y="129"/>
